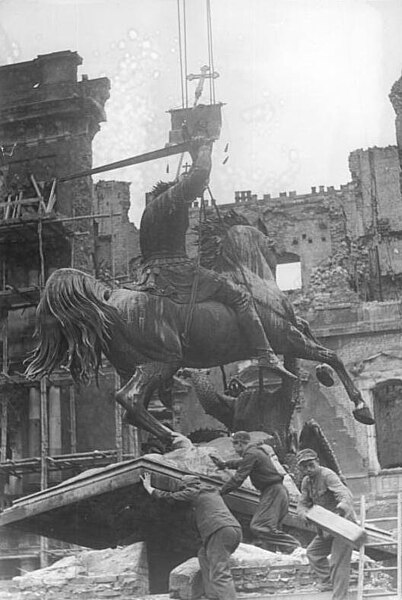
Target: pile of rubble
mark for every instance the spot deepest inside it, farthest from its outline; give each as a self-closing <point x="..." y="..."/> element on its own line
<point x="253" y="569"/>
<point x="112" y="573"/>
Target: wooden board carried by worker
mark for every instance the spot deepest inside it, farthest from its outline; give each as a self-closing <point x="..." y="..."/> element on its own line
<point x="336" y="525"/>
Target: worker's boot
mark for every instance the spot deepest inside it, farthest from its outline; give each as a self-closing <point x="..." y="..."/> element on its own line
<point x="253" y="330"/>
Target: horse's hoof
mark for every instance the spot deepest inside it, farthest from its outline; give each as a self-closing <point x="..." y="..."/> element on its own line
<point x="363" y="415"/>
<point x="324" y="375"/>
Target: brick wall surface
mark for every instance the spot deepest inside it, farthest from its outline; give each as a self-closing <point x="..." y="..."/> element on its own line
<point x="118" y="240"/>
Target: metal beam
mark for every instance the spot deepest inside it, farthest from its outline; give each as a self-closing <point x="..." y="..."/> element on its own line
<point x="133" y="160"/>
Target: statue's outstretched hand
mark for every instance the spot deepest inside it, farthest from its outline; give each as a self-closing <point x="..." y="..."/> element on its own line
<point x="220" y="464"/>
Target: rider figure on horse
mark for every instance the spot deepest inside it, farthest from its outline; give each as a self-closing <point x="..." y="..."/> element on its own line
<point x="167" y="270"/>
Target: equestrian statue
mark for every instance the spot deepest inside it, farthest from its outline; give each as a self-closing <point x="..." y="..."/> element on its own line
<point x="179" y="314"/>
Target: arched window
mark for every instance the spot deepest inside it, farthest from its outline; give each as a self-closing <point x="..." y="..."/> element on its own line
<point x="388" y="418"/>
<point x="288" y="272"/>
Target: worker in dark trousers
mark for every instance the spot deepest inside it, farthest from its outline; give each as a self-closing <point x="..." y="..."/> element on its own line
<point x="322" y="486"/>
<point x="219" y="530"/>
<point x="257" y="463"/>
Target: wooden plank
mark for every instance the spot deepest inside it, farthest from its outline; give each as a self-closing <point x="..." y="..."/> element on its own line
<point x="22" y="202"/>
<point x="7" y="207"/>
<point x="337" y="525"/>
<point x="52" y="198"/>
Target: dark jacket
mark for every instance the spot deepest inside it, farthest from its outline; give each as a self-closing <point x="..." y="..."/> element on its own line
<point x="211" y="513"/>
<point x="327" y="490"/>
<point x="256" y="464"/>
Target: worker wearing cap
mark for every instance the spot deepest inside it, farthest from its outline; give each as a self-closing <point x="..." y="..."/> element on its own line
<point x="256" y="462"/>
<point x="322" y="486"/>
<point x="219" y="530"/>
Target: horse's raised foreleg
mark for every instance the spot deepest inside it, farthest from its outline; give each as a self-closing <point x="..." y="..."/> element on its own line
<point x="307" y="348"/>
<point x="135" y="395"/>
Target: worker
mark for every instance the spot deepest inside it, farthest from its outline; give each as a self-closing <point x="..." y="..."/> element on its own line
<point x="167" y="269"/>
<point x="256" y="461"/>
<point x="322" y="486"/>
<point x="220" y="532"/>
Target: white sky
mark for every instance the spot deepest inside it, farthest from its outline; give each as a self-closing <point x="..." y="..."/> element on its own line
<point x="304" y="81"/>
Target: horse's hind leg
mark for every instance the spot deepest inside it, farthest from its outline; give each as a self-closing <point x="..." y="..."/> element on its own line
<point x="135" y="395"/>
<point x="307" y="348"/>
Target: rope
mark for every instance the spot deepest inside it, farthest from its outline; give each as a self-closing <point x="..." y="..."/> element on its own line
<point x="194" y="287"/>
<point x="41" y="254"/>
<point x="185" y="49"/>
<point x="180" y="54"/>
<point x="210" y="53"/>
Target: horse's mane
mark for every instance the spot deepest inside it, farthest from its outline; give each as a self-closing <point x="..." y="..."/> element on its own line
<point x="227" y="239"/>
<point x="73" y="325"/>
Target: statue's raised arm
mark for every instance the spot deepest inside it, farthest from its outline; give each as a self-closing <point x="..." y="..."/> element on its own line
<point x="165" y="220"/>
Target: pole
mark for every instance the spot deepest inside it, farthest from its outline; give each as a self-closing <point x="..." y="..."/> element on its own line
<point x="73" y="421"/>
<point x="133" y="160"/>
<point x="4" y="399"/>
<point x="44" y="442"/>
<point x="43" y="456"/>
<point x="118" y="416"/>
<point x="113" y="266"/>
<point x="399" y="552"/>
<point x="360" y="580"/>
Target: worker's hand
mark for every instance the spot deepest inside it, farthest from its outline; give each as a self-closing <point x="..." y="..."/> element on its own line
<point x="220" y="464"/>
<point x="302" y="515"/>
<point x="146" y="482"/>
<point x="343" y="509"/>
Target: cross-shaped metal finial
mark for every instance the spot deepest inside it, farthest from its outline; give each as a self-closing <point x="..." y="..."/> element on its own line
<point x="205" y="74"/>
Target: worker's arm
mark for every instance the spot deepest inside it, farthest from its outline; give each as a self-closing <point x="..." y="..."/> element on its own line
<point x="185" y="495"/>
<point x="243" y="471"/>
<point x="305" y="501"/>
<point x="342" y="494"/>
<point x="225" y="464"/>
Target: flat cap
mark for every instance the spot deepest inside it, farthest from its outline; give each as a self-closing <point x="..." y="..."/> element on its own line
<point x="306" y="454"/>
<point x="241" y="436"/>
<point x="190" y="479"/>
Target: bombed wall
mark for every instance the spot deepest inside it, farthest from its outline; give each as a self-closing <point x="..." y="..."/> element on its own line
<point x="117" y="239"/>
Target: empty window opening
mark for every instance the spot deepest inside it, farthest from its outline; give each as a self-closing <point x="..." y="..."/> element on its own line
<point x="388" y="418"/>
<point x="288" y="272"/>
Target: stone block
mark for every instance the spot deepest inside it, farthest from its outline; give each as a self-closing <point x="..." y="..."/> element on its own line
<point x="185" y="581"/>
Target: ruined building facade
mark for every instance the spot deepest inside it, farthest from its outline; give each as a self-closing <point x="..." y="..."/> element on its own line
<point x="48" y="120"/>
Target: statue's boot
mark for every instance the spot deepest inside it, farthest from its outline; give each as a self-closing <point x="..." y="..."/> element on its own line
<point x="267" y="359"/>
<point x="253" y="330"/>
<point x="363" y="414"/>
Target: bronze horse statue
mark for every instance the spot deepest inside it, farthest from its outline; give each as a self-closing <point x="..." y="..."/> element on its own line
<point x="141" y="333"/>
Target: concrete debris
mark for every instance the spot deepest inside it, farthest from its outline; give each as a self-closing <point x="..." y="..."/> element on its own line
<point x="110" y="573"/>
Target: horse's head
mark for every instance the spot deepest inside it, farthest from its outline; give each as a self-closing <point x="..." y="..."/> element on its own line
<point x="249" y="247"/>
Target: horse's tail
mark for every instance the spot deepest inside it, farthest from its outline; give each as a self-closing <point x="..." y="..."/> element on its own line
<point x="72" y="326"/>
